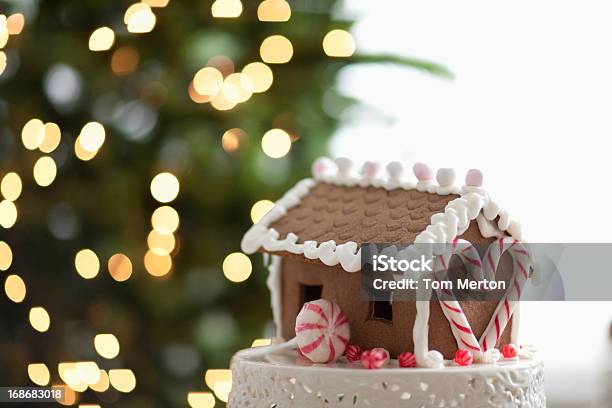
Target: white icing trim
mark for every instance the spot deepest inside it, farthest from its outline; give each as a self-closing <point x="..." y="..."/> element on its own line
<point x="273" y="263"/>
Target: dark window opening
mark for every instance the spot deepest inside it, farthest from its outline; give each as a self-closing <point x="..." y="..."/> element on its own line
<point x="311" y="292"/>
<point x="382" y="310"/>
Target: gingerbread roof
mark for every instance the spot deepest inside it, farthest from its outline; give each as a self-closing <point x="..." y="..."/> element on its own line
<point x="328" y="218"/>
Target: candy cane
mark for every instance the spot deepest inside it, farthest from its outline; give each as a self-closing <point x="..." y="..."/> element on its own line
<point x="459" y="323"/>
<point x="521" y="264"/>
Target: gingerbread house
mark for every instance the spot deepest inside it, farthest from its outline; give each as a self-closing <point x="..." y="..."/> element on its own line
<point x="311" y="242"/>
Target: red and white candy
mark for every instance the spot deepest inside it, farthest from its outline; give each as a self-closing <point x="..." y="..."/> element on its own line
<point x="406" y="360"/>
<point x="322" y="331"/>
<point x="509" y="351"/>
<point x="375" y="358"/>
<point x="463" y="357"/>
<point x="353" y="352"/>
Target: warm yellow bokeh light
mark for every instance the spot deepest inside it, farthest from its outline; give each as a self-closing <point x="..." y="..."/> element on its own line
<point x="45" y="171"/>
<point x="260" y="74"/>
<point x="238" y="88"/>
<point x="101" y="39"/>
<point x="39" y="319"/>
<point x="2" y="62"/>
<point x="157" y="265"/>
<point x="165" y="219"/>
<point x="195" y="96"/>
<point x="53" y="136"/>
<point x="214" y="375"/>
<point x="201" y="400"/>
<point x="222" y="390"/>
<point x="123" y="380"/>
<point x="237" y="267"/>
<point x="339" y="43"/>
<point x="160" y="244"/>
<point x="125" y="60"/>
<point x="226" y="8"/>
<point x="120" y="267"/>
<point x="208" y="81"/>
<point x="139" y="18"/>
<point x="274" y="10"/>
<point x="261" y="342"/>
<point x="107" y="345"/>
<point x="220" y="102"/>
<point x="81" y="153"/>
<point x="102" y="384"/>
<point x="6" y="256"/>
<point x="233" y="139"/>
<point x="11" y="186"/>
<point x="69" y="373"/>
<point x="69" y="396"/>
<point x="276" y="143"/>
<point x="15" y="288"/>
<point x="8" y="214"/>
<point x="165" y="187"/>
<point x="39" y="374"/>
<point x="260" y="209"/>
<point x="88" y="372"/>
<point x="89" y="406"/>
<point x="87" y="263"/>
<point x="4" y="34"/>
<point x="156" y="3"/>
<point x="276" y="49"/>
<point x="33" y="134"/>
<point x="92" y="136"/>
<point x="15" y="23"/>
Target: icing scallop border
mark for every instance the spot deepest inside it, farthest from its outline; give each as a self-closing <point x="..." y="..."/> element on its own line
<point x="473" y="203"/>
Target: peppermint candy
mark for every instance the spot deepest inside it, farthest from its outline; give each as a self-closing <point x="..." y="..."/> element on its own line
<point x="375" y="358"/>
<point x="353" y="352"/>
<point x="406" y="360"/>
<point x="509" y="351"/>
<point x="322" y="331"/>
<point x="463" y="357"/>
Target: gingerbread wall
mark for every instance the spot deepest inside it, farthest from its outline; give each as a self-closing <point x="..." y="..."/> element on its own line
<point x="396" y="336"/>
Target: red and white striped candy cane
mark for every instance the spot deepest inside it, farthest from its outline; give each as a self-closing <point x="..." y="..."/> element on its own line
<point x="459" y="323"/>
<point x="521" y="264"/>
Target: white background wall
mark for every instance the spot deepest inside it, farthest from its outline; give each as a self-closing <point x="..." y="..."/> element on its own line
<point x="531" y="106"/>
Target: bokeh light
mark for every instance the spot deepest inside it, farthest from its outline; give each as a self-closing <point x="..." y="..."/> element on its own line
<point x="220" y="102"/>
<point x="274" y="11"/>
<point x="92" y="136"/>
<point x="237" y="88"/>
<point x="276" y="49"/>
<point x="259" y="209"/>
<point x="195" y="96"/>
<point x="33" y="134"/>
<point x="15" y="23"/>
<point x="107" y="345"/>
<point x="201" y="400"/>
<point x="233" y="139"/>
<point x="69" y="373"/>
<point x="260" y="74"/>
<point x="6" y="256"/>
<point x="39" y="374"/>
<point x="4" y="34"/>
<point x="120" y="267"/>
<point x="222" y="390"/>
<point x="11" y="186"/>
<point x="88" y="372"/>
<point x="276" y="143"/>
<point x="165" y="219"/>
<point x="125" y="60"/>
<point x="123" y="380"/>
<point x="160" y="244"/>
<point x="70" y="397"/>
<point x="45" y="171"/>
<point x="156" y="3"/>
<point x="102" y="384"/>
<point x="8" y="214"/>
<point x="39" y="319"/>
<point x="226" y="8"/>
<point x="139" y="18"/>
<point x="81" y="153"/>
<point x="15" y="288"/>
<point x="339" y="43"/>
<point x="214" y="375"/>
<point x="165" y="187"/>
<point x="208" y="81"/>
<point x="237" y="267"/>
<point x="223" y="63"/>
<point x="2" y="62"/>
<point x="261" y="342"/>
<point x="52" y="138"/>
<point x="157" y="265"/>
<point x="87" y="263"/>
<point x="101" y="39"/>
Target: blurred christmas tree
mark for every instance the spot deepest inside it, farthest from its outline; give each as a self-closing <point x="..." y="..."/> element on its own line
<point x="110" y="136"/>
